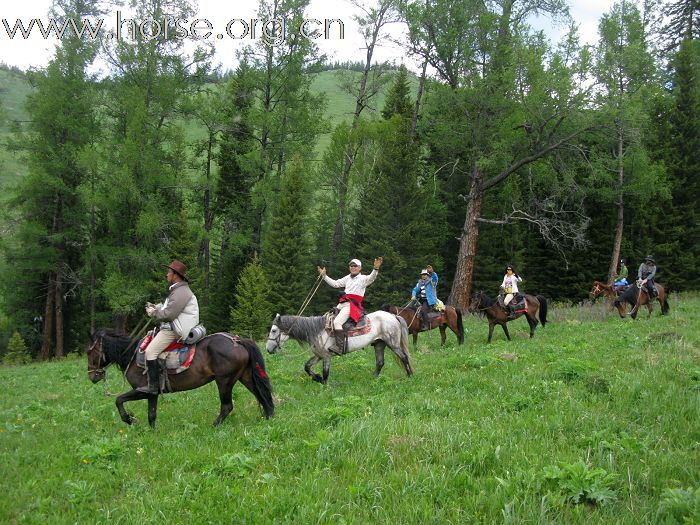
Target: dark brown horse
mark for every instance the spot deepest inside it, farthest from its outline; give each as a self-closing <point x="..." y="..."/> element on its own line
<point x="482" y="304"/>
<point x="636" y="298"/>
<point x="450" y="317"/>
<point x="218" y="357"/>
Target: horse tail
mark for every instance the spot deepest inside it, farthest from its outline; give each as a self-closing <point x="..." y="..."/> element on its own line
<point x="543" y="309"/>
<point x="262" y="389"/>
<point x="460" y="326"/>
<point x="404" y="344"/>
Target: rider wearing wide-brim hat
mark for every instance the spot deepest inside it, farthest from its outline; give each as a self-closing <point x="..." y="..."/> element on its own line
<point x="646" y="273"/>
<point x="178" y="314"/>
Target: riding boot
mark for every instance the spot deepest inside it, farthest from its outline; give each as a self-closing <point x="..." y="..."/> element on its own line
<point x="511" y="312"/>
<point x="339" y="343"/>
<point x="425" y="324"/>
<point x="153" y="386"/>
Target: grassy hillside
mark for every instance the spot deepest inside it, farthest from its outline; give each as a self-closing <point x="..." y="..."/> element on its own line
<point x="595" y="420"/>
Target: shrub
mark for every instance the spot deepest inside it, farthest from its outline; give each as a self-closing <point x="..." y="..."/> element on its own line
<point x="579" y="483"/>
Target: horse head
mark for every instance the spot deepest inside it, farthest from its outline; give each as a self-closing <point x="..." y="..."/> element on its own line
<point x="276" y="337"/>
<point x="475" y="302"/>
<point x="596" y="290"/>
<point x="97" y="359"/>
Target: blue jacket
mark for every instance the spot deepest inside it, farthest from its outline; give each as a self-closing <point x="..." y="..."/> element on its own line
<point x="430" y="294"/>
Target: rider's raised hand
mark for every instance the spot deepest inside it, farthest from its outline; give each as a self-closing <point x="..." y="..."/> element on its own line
<point x="429" y="268"/>
<point x="150" y="310"/>
<point x="322" y="271"/>
<point x="378" y="262"/>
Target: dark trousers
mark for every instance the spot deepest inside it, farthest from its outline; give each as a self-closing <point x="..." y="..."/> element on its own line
<point x="651" y="288"/>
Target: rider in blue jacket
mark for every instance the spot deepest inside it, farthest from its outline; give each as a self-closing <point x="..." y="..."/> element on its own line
<point x="424" y="292"/>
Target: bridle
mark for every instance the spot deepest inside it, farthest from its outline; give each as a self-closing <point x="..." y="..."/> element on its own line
<point x="477" y="307"/>
<point x="278" y="339"/>
<point x="96" y="346"/>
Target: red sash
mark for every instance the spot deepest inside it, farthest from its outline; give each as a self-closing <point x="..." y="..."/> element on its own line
<point x="355" y="305"/>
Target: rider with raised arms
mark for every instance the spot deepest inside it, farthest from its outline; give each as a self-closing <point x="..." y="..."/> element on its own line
<point x="350" y="303"/>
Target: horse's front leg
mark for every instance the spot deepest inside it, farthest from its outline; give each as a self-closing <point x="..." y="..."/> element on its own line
<point x="650" y="307"/>
<point x="415" y="341"/>
<point x="307" y="368"/>
<point x="326" y="369"/>
<point x="132" y="395"/>
<point x="491" y="325"/>
<point x="379" y="357"/>
<point x="505" y="330"/>
<point x="152" y="410"/>
<point x="443" y="334"/>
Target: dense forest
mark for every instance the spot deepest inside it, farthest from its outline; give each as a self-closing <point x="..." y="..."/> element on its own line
<point x="556" y="157"/>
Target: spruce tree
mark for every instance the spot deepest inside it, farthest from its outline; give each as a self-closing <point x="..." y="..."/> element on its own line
<point x="286" y="258"/>
<point x="252" y="315"/>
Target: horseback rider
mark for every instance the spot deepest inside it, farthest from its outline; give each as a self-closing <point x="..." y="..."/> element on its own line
<point x="510" y="288"/>
<point x="621" y="280"/>
<point x="646" y="273"/>
<point x="424" y="292"/>
<point x="178" y="313"/>
<point x="350" y="303"/>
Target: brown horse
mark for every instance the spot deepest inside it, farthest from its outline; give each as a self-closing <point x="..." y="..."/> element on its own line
<point x="219" y="357"/>
<point x="482" y="304"/>
<point x="450" y="317"/>
<point x="636" y="298"/>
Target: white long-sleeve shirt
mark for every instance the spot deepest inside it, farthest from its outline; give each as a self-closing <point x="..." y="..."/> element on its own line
<point x="511" y="281"/>
<point x="353" y="285"/>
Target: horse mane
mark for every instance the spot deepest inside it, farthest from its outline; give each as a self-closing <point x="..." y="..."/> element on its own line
<point x="304" y="329"/>
<point x="629" y="295"/>
<point x="115" y="345"/>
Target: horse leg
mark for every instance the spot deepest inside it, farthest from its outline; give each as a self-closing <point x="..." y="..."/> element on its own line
<point x="490" y="331"/>
<point x="132" y="395"/>
<point x="326" y="369"/>
<point x="533" y="324"/>
<point x="415" y="341"/>
<point x="225" y="386"/>
<point x="307" y="368"/>
<point x="379" y="357"/>
<point x="152" y="410"/>
<point x="443" y="334"/>
<point x="505" y="330"/>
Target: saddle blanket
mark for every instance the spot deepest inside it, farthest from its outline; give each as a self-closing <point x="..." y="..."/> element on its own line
<point x="178" y="357"/>
<point x="520" y="307"/>
<point x="362" y="329"/>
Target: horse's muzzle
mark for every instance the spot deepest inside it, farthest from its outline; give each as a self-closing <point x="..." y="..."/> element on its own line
<point x="96" y="376"/>
<point x="271" y="347"/>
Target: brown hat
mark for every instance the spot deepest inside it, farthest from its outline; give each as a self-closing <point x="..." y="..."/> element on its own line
<point x="179" y="268"/>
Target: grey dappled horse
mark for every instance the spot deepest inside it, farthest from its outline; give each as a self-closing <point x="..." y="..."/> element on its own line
<point x="386" y="330"/>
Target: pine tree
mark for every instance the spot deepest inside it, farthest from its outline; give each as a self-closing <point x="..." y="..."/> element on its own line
<point x="286" y="257"/>
<point x="398" y="100"/>
<point x="253" y="312"/>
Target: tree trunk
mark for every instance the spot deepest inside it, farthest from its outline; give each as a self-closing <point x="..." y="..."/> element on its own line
<point x="462" y="284"/>
<point x="49" y="312"/>
<point x="419" y="97"/>
<point x="612" y="272"/>
<point x="58" y="305"/>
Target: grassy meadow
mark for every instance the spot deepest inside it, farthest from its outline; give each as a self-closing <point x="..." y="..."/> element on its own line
<point x="595" y="420"/>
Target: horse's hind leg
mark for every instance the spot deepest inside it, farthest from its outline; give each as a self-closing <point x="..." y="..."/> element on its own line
<point x="490" y="332"/>
<point x="326" y="369"/>
<point x="443" y="335"/>
<point x="379" y="357"/>
<point x="225" y="386"/>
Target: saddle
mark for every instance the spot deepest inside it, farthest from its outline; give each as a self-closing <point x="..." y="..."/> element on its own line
<point x="178" y="357"/>
<point x="351" y="328"/>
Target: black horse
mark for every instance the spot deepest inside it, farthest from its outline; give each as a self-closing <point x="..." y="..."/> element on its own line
<point x="636" y="298"/>
<point x="219" y="357"/>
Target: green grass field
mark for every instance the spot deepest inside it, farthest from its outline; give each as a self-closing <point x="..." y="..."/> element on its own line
<point x="595" y="420"/>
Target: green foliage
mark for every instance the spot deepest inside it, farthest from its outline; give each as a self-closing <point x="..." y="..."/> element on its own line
<point x="17" y="351"/>
<point x="253" y="311"/>
<point x="679" y="506"/>
<point x="579" y="483"/>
